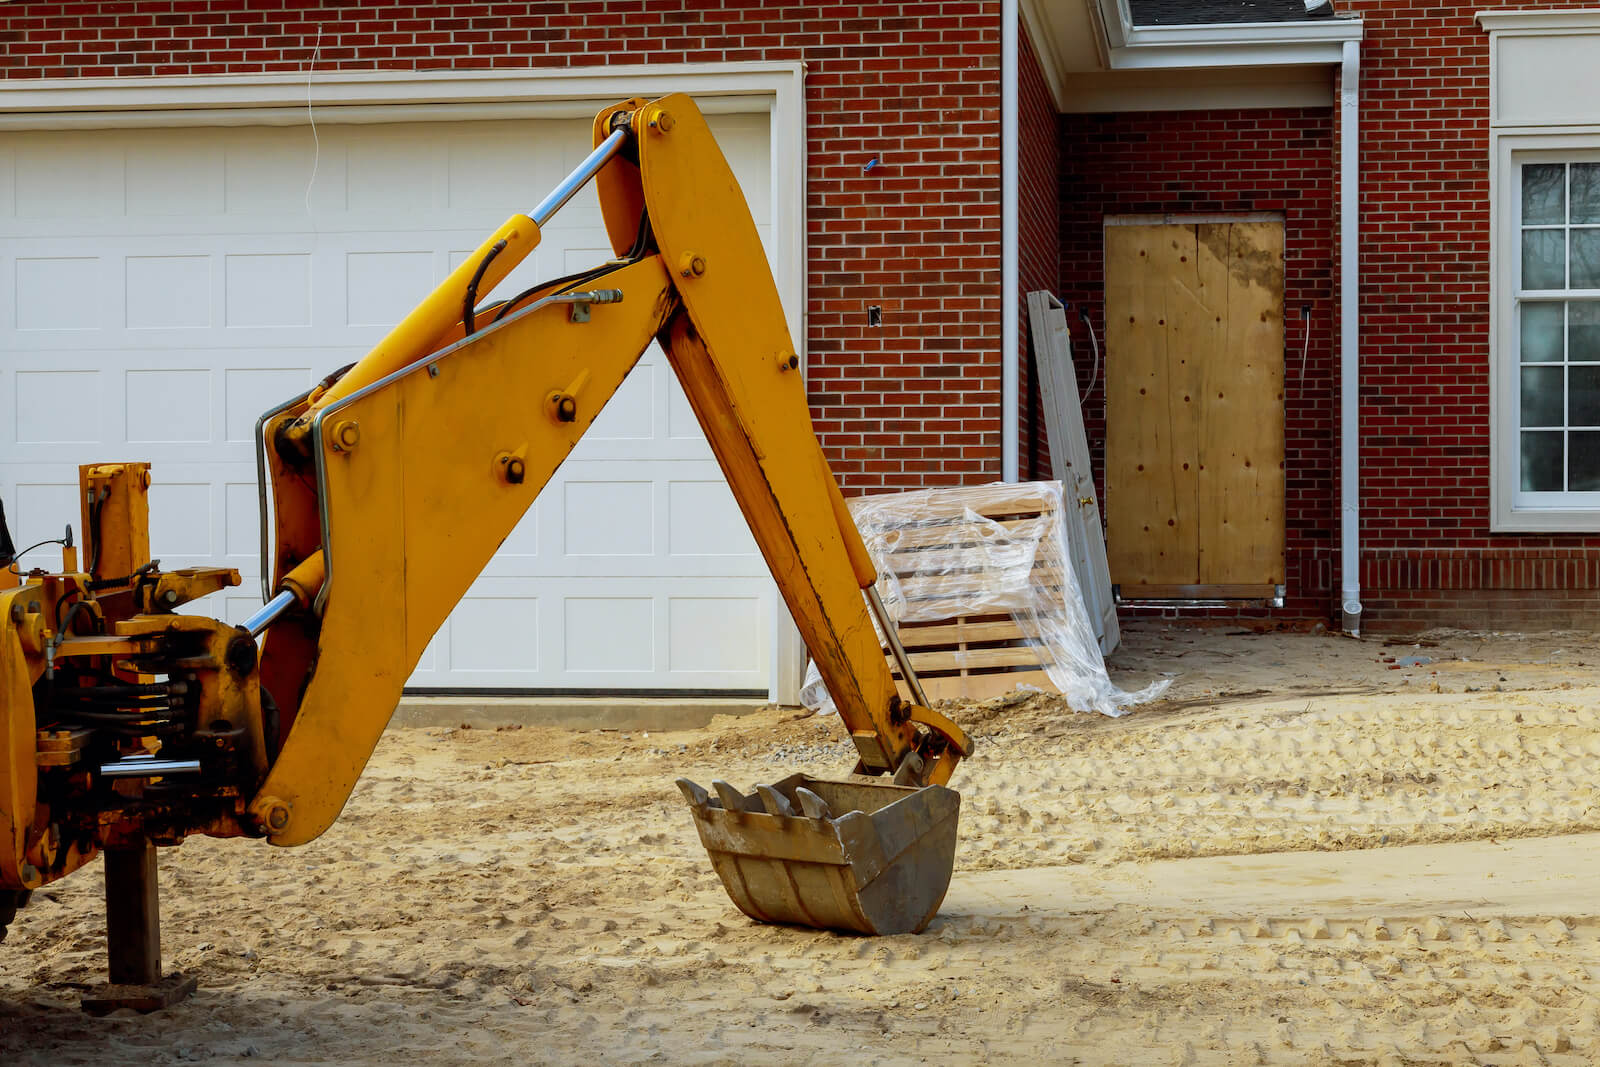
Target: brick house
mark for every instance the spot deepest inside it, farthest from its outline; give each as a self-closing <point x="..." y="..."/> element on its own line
<point x="207" y="203"/>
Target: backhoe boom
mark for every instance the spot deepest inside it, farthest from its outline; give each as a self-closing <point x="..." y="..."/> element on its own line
<point x="391" y="485"/>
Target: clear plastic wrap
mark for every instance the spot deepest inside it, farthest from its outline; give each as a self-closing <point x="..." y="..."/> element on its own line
<point x="988" y="550"/>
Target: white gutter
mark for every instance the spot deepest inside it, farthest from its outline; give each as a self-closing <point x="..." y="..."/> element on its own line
<point x="1350" y="337"/>
<point x="1010" y="297"/>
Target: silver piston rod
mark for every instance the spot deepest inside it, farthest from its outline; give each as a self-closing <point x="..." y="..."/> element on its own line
<point x="891" y="633"/>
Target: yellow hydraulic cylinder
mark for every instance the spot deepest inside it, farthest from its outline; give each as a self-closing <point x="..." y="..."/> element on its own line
<point x="419" y="332"/>
<point x="432" y="322"/>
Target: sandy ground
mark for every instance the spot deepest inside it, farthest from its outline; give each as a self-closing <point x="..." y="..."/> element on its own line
<point x="1310" y="852"/>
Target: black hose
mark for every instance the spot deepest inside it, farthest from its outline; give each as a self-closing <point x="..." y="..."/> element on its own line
<point x="96" y="506"/>
<point x="130" y="689"/>
<point x="107" y="583"/>
<point x="469" y="303"/>
<point x="16" y="556"/>
<point x="62" y="624"/>
<point x="643" y="241"/>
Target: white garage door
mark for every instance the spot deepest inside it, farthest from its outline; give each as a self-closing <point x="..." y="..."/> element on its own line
<point x="161" y="288"/>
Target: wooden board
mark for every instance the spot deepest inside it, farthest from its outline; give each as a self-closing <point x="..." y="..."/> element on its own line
<point x="1241" y="430"/>
<point x="1069" y="459"/>
<point x="1194" y="404"/>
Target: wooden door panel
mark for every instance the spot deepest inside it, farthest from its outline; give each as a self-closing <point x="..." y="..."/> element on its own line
<point x="1242" y="435"/>
<point x="1194" y="404"/>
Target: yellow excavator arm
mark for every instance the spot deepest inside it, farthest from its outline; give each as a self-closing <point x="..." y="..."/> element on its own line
<point x="391" y="485"/>
<point x="437" y="422"/>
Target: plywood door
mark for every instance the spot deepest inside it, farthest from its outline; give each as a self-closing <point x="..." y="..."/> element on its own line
<point x="1194" y="406"/>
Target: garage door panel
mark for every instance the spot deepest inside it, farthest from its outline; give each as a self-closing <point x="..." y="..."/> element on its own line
<point x="271" y="173"/>
<point x="173" y="177"/>
<point x="154" y="304"/>
<point x="384" y="175"/>
<point x="381" y="288"/>
<point x="8" y="184"/>
<point x="267" y="289"/>
<point x="683" y="426"/>
<point x="50" y="291"/>
<point x="713" y="635"/>
<point x="631" y="413"/>
<point x="42" y="502"/>
<point x="167" y="292"/>
<point x="241" y="530"/>
<point x="495" y="634"/>
<point x="168" y="406"/>
<point x="67" y="178"/>
<point x="608" y="635"/>
<point x="50" y="408"/>
<point x="608" y="517"/>
<point x="249" y="391"/>
<point x="703" y="519"/>
<point x="184" y="530"/>
<point x="496" y="168"/>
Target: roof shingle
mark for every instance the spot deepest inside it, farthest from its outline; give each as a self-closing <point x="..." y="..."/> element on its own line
<point x="1210" y="12"/>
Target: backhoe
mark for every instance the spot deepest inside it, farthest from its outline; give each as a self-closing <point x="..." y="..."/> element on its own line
<point x="127" y="725"/>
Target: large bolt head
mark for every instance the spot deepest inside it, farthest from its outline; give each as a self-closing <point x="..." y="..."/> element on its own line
<point x="691" y="265"/>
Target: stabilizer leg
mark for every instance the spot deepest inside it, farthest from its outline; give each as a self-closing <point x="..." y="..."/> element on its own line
<point x="133" y="937"/>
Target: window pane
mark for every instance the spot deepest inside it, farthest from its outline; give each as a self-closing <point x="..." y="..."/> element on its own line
<point x="1583" y="396"/>
<point x="1585" y="259"/>
<point x="1585" y="475"/>
<point x="1541" y="396"/>
<point x="1543" y="259"/>
<point x="1586" y="192"/>
<point x="1541" y="333"/>
<point x="1543" y="195"/>
<point x="1541" y="462"/>
<point x="1583" y="331"/>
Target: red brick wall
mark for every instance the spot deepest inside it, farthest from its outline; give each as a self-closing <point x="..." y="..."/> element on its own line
<point x="915" y="85"/>
<point x="1428" y="556"/>
<point x="1225" y="161"/>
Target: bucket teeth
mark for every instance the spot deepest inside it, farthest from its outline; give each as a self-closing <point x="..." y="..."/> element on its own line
<point x="881" y="865"/>
<point x="813" y="806"/>
<point x="697" y="797"/>
<point x="775" y="802"/>
<point x="731" y="798"/>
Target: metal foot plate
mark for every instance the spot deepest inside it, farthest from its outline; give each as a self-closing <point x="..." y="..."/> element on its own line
<point x="141" y="998"/>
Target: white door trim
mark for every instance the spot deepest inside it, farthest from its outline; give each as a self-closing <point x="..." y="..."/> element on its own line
<point x="411" y="96"/>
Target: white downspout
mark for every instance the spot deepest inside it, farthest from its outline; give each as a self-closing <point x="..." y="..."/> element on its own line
<point x="1010" y="298"/>
<point x="1350" y="337"/>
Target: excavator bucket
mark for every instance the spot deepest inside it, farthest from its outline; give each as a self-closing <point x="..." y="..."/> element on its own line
<point x="856" y="855"/>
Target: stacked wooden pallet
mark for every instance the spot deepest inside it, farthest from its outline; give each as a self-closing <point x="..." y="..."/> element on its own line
<point x="974" y="574"/>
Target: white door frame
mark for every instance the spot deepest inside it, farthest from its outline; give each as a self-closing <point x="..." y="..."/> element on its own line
<point x="413" y="96"/>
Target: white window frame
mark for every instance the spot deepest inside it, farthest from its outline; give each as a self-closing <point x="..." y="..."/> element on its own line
<point x="1561" y="46"/>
